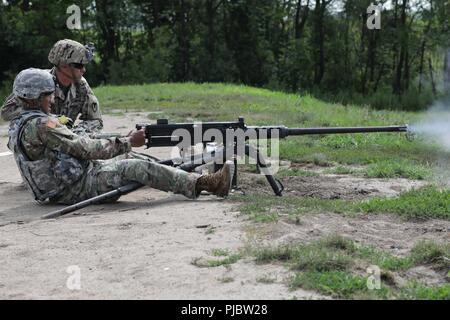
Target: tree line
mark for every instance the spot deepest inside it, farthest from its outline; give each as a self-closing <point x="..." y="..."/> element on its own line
<point x="323" y="47"/>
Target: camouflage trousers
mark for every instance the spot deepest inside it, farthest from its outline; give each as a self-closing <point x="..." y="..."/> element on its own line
<point x="108" y="175"/>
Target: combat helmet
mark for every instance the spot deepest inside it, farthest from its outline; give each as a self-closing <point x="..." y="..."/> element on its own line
<point x="32" y="83"/>
<point x="69" y="51"/>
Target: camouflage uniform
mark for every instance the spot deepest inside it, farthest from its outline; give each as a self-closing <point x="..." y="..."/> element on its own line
<point x="71" y="102"/>
<point x="79" y="100"/>
<point x="74" y="162"/>
<point x="66" y="168"/>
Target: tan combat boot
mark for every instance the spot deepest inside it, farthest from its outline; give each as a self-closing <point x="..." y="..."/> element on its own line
<point x="218" y="183"/>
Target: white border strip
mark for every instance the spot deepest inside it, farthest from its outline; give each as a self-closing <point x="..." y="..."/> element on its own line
<point x="5" y="154"/>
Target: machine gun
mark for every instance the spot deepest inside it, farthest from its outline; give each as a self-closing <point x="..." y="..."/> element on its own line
<point x="231" y="140"/>
<point x="165" y="134"/>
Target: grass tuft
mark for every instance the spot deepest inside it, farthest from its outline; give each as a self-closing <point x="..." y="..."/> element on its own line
<point x="328" y="266"/>
<point x="427" y="252"/>
<point x="427" y="202"/>
<point x="398" y="169"/>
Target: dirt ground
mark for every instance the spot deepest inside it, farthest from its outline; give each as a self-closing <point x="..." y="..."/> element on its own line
<point x="143" y="246"/>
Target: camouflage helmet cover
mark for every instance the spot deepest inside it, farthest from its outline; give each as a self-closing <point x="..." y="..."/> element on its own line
<point x="69" y="51"/>
<point x="31" y="83"/>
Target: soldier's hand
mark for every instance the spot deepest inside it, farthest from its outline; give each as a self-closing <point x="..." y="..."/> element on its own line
<point x="137" y="138"/>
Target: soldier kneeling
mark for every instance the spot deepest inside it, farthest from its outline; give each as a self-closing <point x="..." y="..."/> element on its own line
<point x="66" y="168"/>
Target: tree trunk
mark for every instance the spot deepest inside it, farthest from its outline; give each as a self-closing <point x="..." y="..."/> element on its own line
<point x="447" y="72"/>
<point x="422" y="50"/>
<point x="433" y="84"/>
<point x="398" y="88"/>
<point x="422" y="56"/>
<point x="406" y="73"/>
<point x="301" y="15"/>
<point x="319" y="66"/>
<point x="25" y="5"/>
<point x="106" y="19"/>
<point x="182" y="67"/>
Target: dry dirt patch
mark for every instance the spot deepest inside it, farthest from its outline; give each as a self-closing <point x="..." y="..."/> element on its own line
<point x="331" y="186"/>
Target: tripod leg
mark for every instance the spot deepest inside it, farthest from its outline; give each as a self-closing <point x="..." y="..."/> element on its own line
<point x="276" y="185"/>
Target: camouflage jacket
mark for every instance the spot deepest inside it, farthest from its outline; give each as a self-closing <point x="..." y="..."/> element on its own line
<point x="51" y="158"/>
<point x="79" y="100"/>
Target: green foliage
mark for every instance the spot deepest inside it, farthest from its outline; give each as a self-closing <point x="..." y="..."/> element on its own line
<point x="417" y="291"/>
<point x="411" y="100"/>
<point x="151" y="65"/>
<point x="212" y="263"/>
<point x="338" y="284"/>
<point x="427" y="202"/>
<point x="318" y="49"/>
<point x="382" y="259"/>
<point x="331" y="265"/>
<point x="341" y="170"/>
<point x="265" y="255"/>
<point x="268" y="208"/>
<point x="296" y="172"/>
<point x="224" y="262"/>
<point x="398" y="169"/>
<point x="320" y="259"/>
<point x="428" y="252"/>
<point x="220" y="252"/>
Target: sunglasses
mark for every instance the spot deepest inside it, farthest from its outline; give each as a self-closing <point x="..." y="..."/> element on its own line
<point x="78" y="66"/>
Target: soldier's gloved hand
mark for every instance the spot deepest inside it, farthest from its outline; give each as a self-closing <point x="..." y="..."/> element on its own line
<point x="66" y="121"/>
<point x="137" y="138"/>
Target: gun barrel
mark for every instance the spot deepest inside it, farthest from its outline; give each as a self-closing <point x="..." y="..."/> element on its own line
<point x="339" y="130"/>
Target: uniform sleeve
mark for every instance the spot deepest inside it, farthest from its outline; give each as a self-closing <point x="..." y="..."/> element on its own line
<point x="91" y="117"/>
<point x="57" y="137"/>
<point x="10" y="109"/>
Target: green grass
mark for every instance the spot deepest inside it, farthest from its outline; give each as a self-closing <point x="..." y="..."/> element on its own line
<point x="220" y="252"/>
<point x="424" y="203"/>
<point x="266" y="279"/>
<point x="334" y="253"/>
<point x="330" y="266"/>
<point x="427" y="202"/>
<point x="427" y="252"/>
<point x="212" y="263"/>
<point x="398" y="169"/>
<point x="417" y="291"/>
<point x="383" y="260"/>
<point x="338" y="284"/>
<point x="341" y="170"/>
<point x="268" y="207"/>
<point x="295" y="172"/>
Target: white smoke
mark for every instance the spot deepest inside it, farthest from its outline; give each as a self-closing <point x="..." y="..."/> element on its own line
<point x="436" y="125"/>
<point x="435" y="128"/>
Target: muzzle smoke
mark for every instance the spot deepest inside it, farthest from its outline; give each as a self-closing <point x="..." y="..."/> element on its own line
<point x="436" y="125"/>
<point x="435" y="128"/>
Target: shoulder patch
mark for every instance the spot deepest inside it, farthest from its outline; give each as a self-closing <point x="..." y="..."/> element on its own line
<point x="52" y="123"/>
